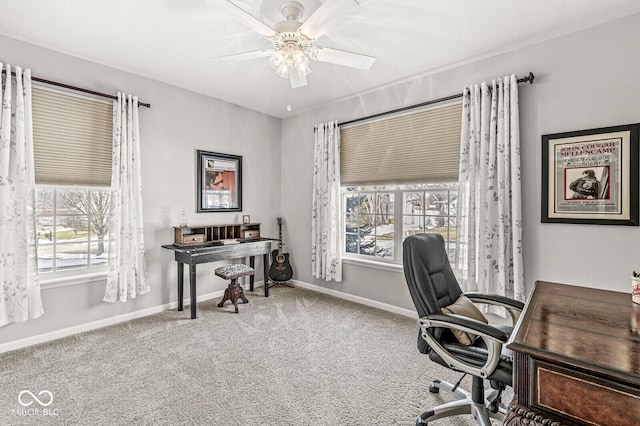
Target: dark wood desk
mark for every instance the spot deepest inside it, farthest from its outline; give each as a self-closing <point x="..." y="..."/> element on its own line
<point x="576" y="359"/>
<point x="213" y="252"/>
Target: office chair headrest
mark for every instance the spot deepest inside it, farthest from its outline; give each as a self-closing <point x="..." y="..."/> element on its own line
<point x="429" y="249"/>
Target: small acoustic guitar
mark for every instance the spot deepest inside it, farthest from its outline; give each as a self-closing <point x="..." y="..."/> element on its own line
<point x="280" y="270"/>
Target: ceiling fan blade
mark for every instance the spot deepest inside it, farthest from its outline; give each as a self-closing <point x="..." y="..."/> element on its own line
<point x="244" y="56"/>
<point x="249" y="20"/>
<point x="296" y="80"/>
<point x="327" y="15"/>
<point x="341" y="57"/>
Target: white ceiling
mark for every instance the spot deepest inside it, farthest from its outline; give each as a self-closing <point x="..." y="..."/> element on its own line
<point x="175" y="41"/>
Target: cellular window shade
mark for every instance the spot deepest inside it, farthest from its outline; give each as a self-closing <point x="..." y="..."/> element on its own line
<point x="72" y="138"/>
<point x="420" y="146"/>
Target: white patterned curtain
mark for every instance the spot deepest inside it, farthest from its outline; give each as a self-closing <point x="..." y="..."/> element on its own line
<point x="127" y="270"/>
<point x="20" y="298"/>
<point x="326" y="260"/>
<point x="489" y="232"/>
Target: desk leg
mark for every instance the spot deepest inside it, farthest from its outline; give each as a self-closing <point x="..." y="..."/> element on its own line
<point x="265" y="270"/>
<point x="252" y="263"/>
<point x="180" y="284"/>
<point x="192" y="288"/>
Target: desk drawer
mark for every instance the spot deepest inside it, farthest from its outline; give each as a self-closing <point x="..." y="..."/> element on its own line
<point x="193" y="239"/>
<point x="584" y="398"/>
<point x="251" y="233"/>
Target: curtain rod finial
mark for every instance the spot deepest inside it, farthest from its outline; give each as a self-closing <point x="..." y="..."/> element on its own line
<point x="530" y="77"/>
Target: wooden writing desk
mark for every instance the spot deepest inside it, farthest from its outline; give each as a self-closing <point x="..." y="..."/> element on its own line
<point x="576" y="359"/>
<point x="213" y="252"/>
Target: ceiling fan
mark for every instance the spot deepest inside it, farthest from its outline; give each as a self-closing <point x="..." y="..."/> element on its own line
<point x="293" y="40"/>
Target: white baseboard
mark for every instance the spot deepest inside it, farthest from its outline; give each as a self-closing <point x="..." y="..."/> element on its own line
<point x="53" y="335"/>
<point x="58" y="334"/>
<point x="362" y="300"/>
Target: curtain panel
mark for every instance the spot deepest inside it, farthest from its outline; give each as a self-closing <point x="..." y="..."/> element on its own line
<point x="326" y="262"/>
<point x="127" y="269"/>
<point x="489" y="232"/>
<point x="20" y="298"/>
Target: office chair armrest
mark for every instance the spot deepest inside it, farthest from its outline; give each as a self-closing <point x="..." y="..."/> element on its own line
<point x="459" y="322"/>
<point x="493" y="338"/>
<point x="514" y="307"/>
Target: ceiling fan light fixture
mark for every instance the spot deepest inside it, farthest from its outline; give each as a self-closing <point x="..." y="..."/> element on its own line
<point x="277" y="58"/>
<point x="283" y="70"/>
<point x="301" y="64"/>
<point x="290" y="58"/>
<point x="293" y="40"/>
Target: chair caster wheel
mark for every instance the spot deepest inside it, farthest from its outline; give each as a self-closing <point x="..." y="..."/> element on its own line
<point x="434" y="389"/>
<point x="425" y="415"/>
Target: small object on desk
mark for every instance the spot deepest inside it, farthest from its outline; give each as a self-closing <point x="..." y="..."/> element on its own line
<point x="183" y="219"/>
<point x="230" y="241"/>
<point x="635" y="319"/>
<point x="635" y="288"/>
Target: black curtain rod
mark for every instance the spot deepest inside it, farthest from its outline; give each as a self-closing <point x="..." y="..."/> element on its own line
<point x="74" y="88"/>
<point x="528" y="78"/>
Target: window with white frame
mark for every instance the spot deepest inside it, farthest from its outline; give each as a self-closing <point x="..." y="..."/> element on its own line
<point x="375" y="225"/>
<point x="399" y="178"/>
<point x="72" y="161"/>
<point x="72" y="228"/>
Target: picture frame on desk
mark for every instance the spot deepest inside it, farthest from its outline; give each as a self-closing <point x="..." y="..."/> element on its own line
<point x="591" y="176"/>
<point x="219" y="182"/>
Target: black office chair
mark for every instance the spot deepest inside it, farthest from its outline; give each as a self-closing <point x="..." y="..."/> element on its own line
<point x="437" y="297"/>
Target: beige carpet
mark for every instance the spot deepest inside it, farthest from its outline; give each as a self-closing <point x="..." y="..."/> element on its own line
<point x="295" y="358"/>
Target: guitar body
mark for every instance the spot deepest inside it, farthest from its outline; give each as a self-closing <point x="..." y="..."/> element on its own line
<point x="280" y="270"/>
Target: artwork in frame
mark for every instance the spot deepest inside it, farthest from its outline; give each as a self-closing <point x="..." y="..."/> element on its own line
<point x="591" y="176"/>
<point x="219" y="182"/>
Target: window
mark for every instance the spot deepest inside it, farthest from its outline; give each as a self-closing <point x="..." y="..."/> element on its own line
<point x="72" y="137"/>
<point x="378" y="219"/>
<point x="399" y="178"/>
<point x="72" y="228"/>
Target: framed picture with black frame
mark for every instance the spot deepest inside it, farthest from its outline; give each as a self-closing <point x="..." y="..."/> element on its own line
<point x="591" y="176"/>
<point x="219" y="182"/>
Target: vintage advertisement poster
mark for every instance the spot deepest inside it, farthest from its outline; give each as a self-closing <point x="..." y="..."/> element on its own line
<point x="219" y="183"/>
<point x="588" y="176"/>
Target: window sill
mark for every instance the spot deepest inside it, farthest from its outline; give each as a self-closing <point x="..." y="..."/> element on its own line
<point x="385" y="266"/>
<point x="64" y="281"/>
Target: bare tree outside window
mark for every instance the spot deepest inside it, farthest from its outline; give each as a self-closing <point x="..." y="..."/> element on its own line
<point x="94" y="209"/>
<point x="72" y="227"/>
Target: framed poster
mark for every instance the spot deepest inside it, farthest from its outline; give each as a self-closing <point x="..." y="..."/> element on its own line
<point x="591" y="176"/>
<point x="219" y="182"/>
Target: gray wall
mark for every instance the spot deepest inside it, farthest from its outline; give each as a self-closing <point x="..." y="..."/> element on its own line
<point x="584" y="80"/>
<point x="178" y="123"/>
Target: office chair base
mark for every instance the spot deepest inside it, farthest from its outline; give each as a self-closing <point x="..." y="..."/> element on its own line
<point x="464" y="404"/>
